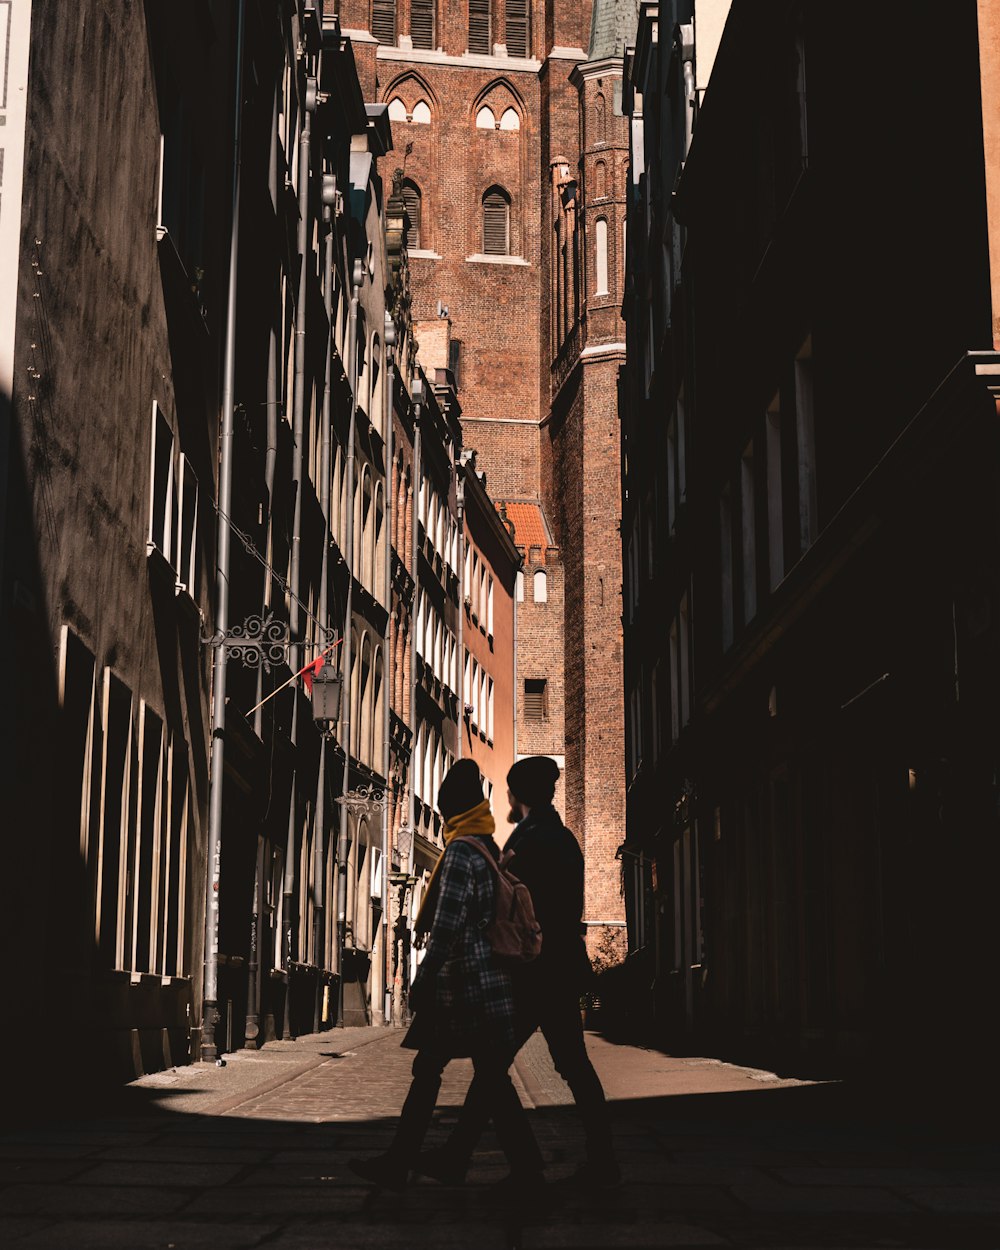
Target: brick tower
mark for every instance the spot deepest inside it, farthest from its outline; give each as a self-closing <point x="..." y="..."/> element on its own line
<point x="506" y="120"/>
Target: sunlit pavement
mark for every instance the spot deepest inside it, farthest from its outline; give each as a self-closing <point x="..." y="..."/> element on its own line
<point x="255" y="1154"/>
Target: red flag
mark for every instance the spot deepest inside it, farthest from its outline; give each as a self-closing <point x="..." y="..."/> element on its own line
<point x="307" y="672"/>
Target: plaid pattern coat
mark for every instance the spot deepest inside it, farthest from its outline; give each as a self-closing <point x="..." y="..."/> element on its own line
<point x="465" y="998"/>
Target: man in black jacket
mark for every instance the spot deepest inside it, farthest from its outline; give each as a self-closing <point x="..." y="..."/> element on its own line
<point x="547" y="858"/>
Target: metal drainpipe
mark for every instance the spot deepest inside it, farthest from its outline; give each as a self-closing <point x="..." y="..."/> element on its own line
<point x="210" y="1002"/>
<point x="270" y="459"/>
<point x="344" y="728"/>
<point x="319" y="835"/>
<point x="417" y="391"/>
<point x="294" y="618"/>
<point x="389" y="336"/>
<point x="460" y="509"/>
<point x="686" y="33"/>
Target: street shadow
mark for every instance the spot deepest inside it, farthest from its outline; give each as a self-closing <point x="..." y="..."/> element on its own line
<point x="820" y="1165"/>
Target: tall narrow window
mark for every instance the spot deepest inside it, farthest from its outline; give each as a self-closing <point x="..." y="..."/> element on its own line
<point x="517" y="36"/>
<point x="726" y="567"/>
<point x="748" y="514"/>
<point x="540" y="589"/>
<point x="480" y="37"/>
<point x="187" y="536"/>
<point x="775" y="517"/>
<point x="805" y="434"/>
<point x="496" y="223"/>
<point x="384" y="20"/>
<point x="602" y="257"/>
<point x="535" y="705"/>
<point x="161" y="487"/>
<point x="422" y="23"/>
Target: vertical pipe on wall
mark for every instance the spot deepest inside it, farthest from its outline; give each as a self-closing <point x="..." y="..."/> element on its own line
<point x="344" y="728"/>
<point x="388" y="390"/>
<point x="319" y="834"/>
<point x="417" y="392"/>
<point x="294" y="614"/>
<point x="210" y="1003"/>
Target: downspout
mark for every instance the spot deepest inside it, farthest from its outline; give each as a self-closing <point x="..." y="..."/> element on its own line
<point x="514" y="700"/>
<point x="319" y="832"/>
<point x="344" y="728"/>
<point x="389" y="336"/>
<point x="294" y="617"/>
<point x="210" y="1003"/>
<point x="686" y="38"/>
<point x="270" y="458"/>
<point x="460" y="510"/>
<point x="417" y="392"/>
<point x="271" y="415"/>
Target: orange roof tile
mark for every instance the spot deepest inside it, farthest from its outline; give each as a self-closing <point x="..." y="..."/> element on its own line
<point x="529" y="527"/>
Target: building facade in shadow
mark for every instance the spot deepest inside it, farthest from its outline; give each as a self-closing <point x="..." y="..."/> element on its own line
<point x="809" y="442"/>
<point x="212" y="483"/>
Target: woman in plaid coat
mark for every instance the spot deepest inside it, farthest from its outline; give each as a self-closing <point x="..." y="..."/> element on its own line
<point x="461" y="995"/>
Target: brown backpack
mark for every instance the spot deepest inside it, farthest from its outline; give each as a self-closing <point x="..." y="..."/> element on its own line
<point x="513" y="933"/>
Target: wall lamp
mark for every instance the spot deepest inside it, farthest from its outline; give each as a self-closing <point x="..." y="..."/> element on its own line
<point x="326" y="687"/>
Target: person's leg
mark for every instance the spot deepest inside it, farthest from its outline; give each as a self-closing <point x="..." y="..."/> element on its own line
<point x="450" y="1162"/>
<point x="510" y="1119"/>
<point x="393" y="1168"/>
<point x="563" y="1031"/>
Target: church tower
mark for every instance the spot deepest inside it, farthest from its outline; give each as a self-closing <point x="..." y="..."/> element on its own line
<point x="507" y="127"/>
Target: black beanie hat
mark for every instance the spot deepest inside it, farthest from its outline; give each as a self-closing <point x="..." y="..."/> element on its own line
<point x="533" y="780"/>
<point x="461" y="789"/>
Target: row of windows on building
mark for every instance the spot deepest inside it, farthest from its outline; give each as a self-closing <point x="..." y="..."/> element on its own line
<point x="432" y="759"/>
<point x="486" y="119"/>
<point x="482" y="25"/>
<point x="767" y="513"/>
<point x="136" y="817"/>
<point x="495" y="205"/>
<point x="670" y="683"/>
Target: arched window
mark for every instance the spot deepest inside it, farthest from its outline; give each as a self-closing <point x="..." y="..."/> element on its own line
<point x="602" y="256"/>
<point x="384" y="20"/>
<point x="362" y="733"/>
<point x="378" y="707"/>
<point x="411" y="202"/>
<point x="510" y="120"/>
<point x="485" y="119"/>
<point x="540" y="589"/>
<point x="374" y="390"/>
<point x="421" y="112"/>
<point x="496" y="223"/>
<point x="599" y="112"/>
<point x="422" y="27"/>
<point x="517" y="36"/>
<point x="600" y="180"/>
<point x="397" y="110"/>
<point x="379" y="537"/>
<point x="363" y="529"/>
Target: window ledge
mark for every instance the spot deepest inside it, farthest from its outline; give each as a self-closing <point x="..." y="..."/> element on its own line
<point x="479" y="258"/>
<point x="422" y="253"/>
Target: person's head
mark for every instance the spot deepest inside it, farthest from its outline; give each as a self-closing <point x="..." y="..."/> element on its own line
<point x="531" y="782"/>
<point x="461" y="789"/>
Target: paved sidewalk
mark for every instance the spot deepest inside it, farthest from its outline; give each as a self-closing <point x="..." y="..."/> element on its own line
<point x="255" y="1155"/>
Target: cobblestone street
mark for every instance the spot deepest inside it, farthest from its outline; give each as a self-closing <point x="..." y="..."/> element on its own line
<point x="255" y="1154"/>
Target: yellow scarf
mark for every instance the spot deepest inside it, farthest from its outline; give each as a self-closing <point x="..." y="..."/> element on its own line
<point x="476" y="822"/>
